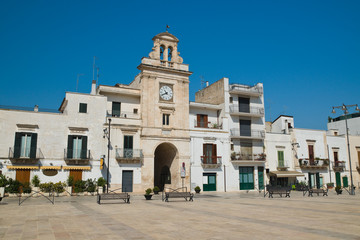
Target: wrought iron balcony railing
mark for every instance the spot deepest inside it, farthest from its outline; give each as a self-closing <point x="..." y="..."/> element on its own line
<point x="25" y="153"/>
<point x="338" y="165"/>
<point x="202" y="124"/>
<point x="316" y="163"/>
<point x="122" y="114"/>
<point x="282" y="166"/>
<point x="127" y="155"/>
<point x="248" y="157"/>
<point x="211" y="161"/>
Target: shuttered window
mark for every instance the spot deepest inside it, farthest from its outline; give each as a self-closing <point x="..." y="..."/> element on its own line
<point x="281" y="158"/>
<point x="25" y="145"/>
<point x="83" y="108"/>
<point x="116" y="109"/>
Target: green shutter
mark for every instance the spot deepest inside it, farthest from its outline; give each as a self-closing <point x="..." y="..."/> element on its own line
<point x="309" y="175"/>
<point x="317" y="180"/>
<point x="83" y="107"/>
<point x="116" y="109"/>
<point x="17" y="145"/>
<point x="338" y="179"/>
<point x="84" y="147"/>
<point x="33" y="145"/>
<point x="70" y="147"/>
<point x="281" y="158"/>
<point x="345" y="181"/>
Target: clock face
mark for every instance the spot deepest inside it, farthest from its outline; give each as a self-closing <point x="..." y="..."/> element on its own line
<point x="166" y="93"/>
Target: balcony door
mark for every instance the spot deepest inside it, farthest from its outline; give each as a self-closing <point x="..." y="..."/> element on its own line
<point x="244" y="105"/>
<point x="246" y="175"/>
<point x="77" y="147"/>
<point x="245" y="128"/>
<point x="202" y="120"/>
<point x="311" y="154"/>
<point x="116" y="109"/>
<point x="25" y="145"/>
<point x="128" y="146"/>
<point x="209" y="153"/>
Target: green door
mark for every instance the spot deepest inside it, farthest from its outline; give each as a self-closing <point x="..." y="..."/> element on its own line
<point x="338" y="179"/>
<point x="345" y="181"/>
<point x="209" y="182"/>
<point x="261" y="177"/>
<point x="246" y="178"/>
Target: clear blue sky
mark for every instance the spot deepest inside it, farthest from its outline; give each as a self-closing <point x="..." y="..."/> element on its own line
<point x="307" y="53"/>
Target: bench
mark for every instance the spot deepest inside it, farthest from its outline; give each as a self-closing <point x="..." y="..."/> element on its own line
<point x="175" y="193"/>
<point x="113" y="196"/>
<point x="279" y="190"/>
<point x="324" y="192"/>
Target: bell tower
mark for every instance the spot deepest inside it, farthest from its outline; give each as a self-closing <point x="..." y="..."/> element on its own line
<point x="165" y="139"/>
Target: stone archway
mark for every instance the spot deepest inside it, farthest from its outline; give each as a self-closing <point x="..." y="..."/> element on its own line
<point x="165" y="165"/>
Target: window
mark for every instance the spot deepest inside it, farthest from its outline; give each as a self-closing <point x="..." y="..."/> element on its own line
<point x="202" y="120"/>
<point x="166" y="119"/>
<point x="231" y="100"/>
<point x="244" y="105"/>
<point x="281" y="158"/>
<point x="128" y="146"/>
<point x="116" y="109"/>
<point x="77" y="147"/>
<point x="25" y="145"/>
<point x="135" y="110"/>
<point x="82" y="108"/>
<point x="358" y="152"/>
<point x="246" y="150"/>
<point x="311" y="154"/>
<point x="336" y="158"/>
<point x="232" y="147"/>
<point x="169" y="53"/>
<point x="245" y="127"/>
<point x="209" y="154"/>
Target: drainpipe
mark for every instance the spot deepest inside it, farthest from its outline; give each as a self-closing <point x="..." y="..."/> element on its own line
<point x="329" y="161"/>
<point x="224" y="178"/>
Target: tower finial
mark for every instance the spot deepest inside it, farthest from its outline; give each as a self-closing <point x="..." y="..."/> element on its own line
<point x="167" y="27"/>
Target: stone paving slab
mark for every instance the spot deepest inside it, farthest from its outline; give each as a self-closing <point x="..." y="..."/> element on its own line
<point x="211" y="216"/>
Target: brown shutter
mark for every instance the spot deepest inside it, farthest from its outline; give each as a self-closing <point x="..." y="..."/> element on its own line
<point x="214" y="156"/>
<point x="204" y="153"/>
<point x="198" y="120"/>
<point x="206" y="121"/>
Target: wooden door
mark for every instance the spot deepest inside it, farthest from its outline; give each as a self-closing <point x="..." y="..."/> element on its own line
<point x="311" y="154"/>
<point x="77" y="175"/>
<point x="23" y="175"/>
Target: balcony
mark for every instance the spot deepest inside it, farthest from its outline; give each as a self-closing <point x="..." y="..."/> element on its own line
<point x="253" y="134"/>
<point x="251" y="112"/>
<point x="25" y="155"/>
<point x="211" y="161"/>
<point x="246" y="90"/>
<point x="77" y="156"/>
<point x="247" y="158"/>
<point x="129" y="156"/>
<point x="318" y="163"/>
<point x="338" y="166"/>
<point x="211" y="125"/>
<point x="282" y="166"/>
<point x="122" y="114"/>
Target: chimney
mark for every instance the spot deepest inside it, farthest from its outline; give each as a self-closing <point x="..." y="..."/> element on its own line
<point x="286" y="127"/>
<point x="207" y="83"/>
<point x="93" y="87"/>
<point x="36" y="108"/>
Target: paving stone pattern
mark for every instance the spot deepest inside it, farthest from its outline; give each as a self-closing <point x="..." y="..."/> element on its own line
<point x="210" y="216"/>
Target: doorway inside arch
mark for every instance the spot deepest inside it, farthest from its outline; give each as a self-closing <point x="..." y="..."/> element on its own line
<point x="165" y="164"/>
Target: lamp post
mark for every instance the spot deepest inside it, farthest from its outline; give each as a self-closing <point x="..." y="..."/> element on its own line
<point x="345" y="109"/>
<point x="107" y="134"/>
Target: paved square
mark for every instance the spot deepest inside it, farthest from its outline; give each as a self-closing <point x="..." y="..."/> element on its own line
<point x="210" y="216"/>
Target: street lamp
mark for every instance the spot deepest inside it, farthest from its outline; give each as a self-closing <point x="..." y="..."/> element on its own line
<point x="345" y="109"/>
<point x="107" y="134"/>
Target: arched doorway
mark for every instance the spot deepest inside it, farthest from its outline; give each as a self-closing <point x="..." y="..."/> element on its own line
<point x="165" y="165"/>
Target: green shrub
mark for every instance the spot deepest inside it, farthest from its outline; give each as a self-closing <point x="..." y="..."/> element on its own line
<point x="156" y="189"/>
<point x="80" y="186"/>
<point x="148" y="191"/>
<point x="26" y="187"/>
<point x="293" y="187"/>
<point x="13" y="186"/>
<point x="35" y="181"/>
<point x="3" y="181"/>
<point x="197" y="188"/>
<point x="70" y="181"/>
<point x="59" y="187"/>
<point x="101" y="182"/>
<point x="91" y="185"/>
<point x="47" y="187"/>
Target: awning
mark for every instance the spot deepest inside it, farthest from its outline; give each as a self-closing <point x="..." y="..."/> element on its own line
<point x="22" y="167"/>
<point x="285" y="174"/>
<point x="86" y="168"/>
<point x="51" y="167"/>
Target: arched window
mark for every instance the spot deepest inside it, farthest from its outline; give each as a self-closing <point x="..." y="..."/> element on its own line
<point x="170" y="53"/>
<point x="162" y="49"/>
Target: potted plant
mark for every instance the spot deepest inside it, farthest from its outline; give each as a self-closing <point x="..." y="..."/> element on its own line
<point x="59" y="188"/>
<point x="70" y="184"/>
<point x="26" y="188"/>
<point x="156" y="190"/>
<point x="91" y="186"/>
<point x="338" y="190"/>
<point x="233" y="155"/>
<point x="35" y="182"/>
<point x="13" y="186"/>
<point x="197" y="189"/>
<point x="3" y="183"/>
<point x="79" y="186"/>
<point x="330" y="185"/>
<point x="147" y="194"/>
<point x="101" y="184"/>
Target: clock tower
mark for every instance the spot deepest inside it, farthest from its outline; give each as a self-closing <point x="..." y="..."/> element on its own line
<point x="165" y="139"/>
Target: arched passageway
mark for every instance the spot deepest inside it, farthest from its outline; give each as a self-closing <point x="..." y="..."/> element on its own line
<point x="165" y="157"/>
